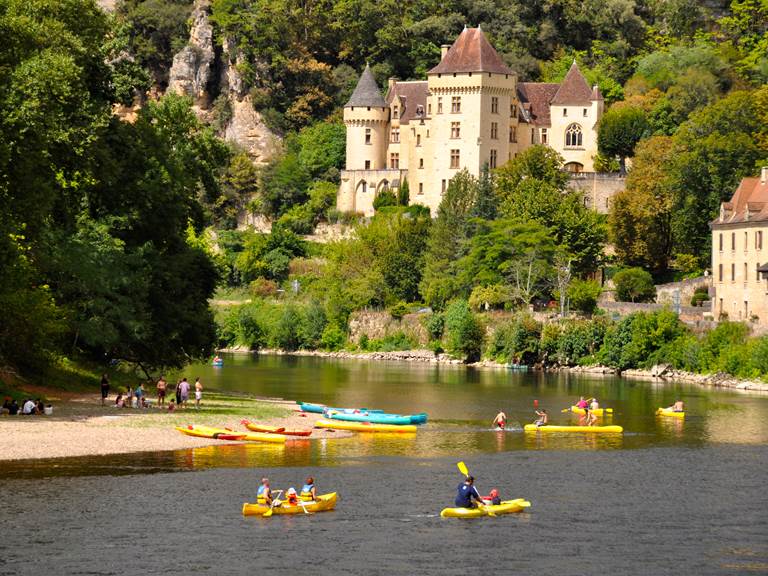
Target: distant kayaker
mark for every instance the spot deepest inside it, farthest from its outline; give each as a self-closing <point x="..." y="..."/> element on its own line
<point x="594" y="405"/>
<point x="162" y="386"/>
<point x="466" y="493"/>
<point x="500" y="421"/>
<point x="678" y="406"/>
<point x="492" y="498"/>
<point x="583" y="404"/>
<point x="264" y="494"/>
<point x="543" y="417"/>
<point x="308" y="492"/>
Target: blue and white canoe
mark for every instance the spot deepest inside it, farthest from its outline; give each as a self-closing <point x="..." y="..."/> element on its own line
<point x="321" y="408"/>
<point x="380" y="418"/>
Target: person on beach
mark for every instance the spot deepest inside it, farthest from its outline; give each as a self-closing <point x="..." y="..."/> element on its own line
<point x="39" y="406"/>
<point x="308" y="491"/>
<point x="466" y="493"/>
<point x="119" y="400"/>
<point x="129" y="397"/>
<point x="198" y="392"/>
<point x="104" y="388"/>
<point x="171" y="405"/>
<point x="264" y="494"/>
<point x="29" y="407"/>
<point x="6" y="406"/>
<point x="678" y="406"/>
<point x="182" y="393"/>
<point x="492" y="498"/>
<point x="500" y="421"/>
<point x="139" y="393"/>
<point x="162" y="385"/>
<point x="543" y="417"/>
<point x="13" y="408"/>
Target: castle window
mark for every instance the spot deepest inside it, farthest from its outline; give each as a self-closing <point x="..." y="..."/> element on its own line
<point x="721" y="242"/>
<point x="395" y="137"/>
<point x="733" y="272"/>
<point x="745" y="273"/>
<point x="544" y="136"/>
<point x="746" y="240"/>
<point x="367" y="164"/>
<point x="759" y="240"/>
<point x="494" y="105"/>
<point x="494" y="131"/>
<point x="429" y="108"/>
<point x="439" y="104"/>
<point x="585" y="112"/>
<point x="418" y="139"/>
<point x="733" y="241"/>
<point x="492" y="161"/>
<point x="394" y="160"/>
<point x="757" y="272"/>
<point x="442" y="188"/>
<point x="573" y="136"/>
<point x="455" y="158"/>
<point x="396" y="112"/>
<point x="719" y="272"/>
<point x="565" y="112"/>
<point x="367" y="135"/>
<point x="421" y="162"/>
<point x="512" y="111"/>
<point x="421" y="188"/>
<point x="455" y="129"/>
<point x="512" y="134"/>
<point x="455" y="104"/>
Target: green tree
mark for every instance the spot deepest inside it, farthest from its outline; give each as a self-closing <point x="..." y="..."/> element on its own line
<point x="621" y="128"/>
<point x="464" y="332"/>
<point x="634" y="285"/>
<point x="404" y="193"/>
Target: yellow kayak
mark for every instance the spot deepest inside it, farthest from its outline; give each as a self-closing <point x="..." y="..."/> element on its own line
<point x="668" y="412"/>
<point x="599" y="412"/>
<point x="226" y="434"/>
<point x="592" y="429"/>
<point x="364" y="426"/>
<point x="506" y="507"/>
<point x="324" y="502"/>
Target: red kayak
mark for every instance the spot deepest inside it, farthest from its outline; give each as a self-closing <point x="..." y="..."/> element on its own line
<point x="274" y="430"/>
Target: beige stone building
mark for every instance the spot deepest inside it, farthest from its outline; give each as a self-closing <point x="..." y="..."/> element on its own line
<point x="471" y="110"/>
<point x="740" y="253"/>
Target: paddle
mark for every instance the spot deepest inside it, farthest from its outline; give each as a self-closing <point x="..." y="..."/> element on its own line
<point x="464" y="470"/>
<point x="271" y="510"/>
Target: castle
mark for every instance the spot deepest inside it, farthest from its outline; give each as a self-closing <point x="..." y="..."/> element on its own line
<point x="470" y="111"/>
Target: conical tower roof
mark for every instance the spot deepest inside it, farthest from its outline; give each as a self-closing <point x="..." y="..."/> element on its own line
<point x="573" y="89"/>
<point x="366" y="92"/>
<point x="471" y="53"/>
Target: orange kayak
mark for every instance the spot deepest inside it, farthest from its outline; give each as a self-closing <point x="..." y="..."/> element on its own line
<point x="274" y="429"/>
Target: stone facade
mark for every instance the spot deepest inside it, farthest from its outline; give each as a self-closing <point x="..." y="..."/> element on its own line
<point x="740" y="254"/>
<point x="598" y="188"/>
<point x="470" y="111"/>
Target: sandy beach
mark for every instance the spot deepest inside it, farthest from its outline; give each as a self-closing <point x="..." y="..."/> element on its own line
<point x="80" y="426"/>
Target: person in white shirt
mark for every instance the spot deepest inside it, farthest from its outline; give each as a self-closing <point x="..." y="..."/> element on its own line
<point x="29" y="407"/>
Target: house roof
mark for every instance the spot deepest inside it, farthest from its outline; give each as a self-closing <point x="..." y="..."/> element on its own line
<point x="574" y="89"/>
<point x="471" y="52"/>
<point x="366" y="92"/>
<point x="412" y="94"/>
<point x="535" y="97"/>
<point x="748" y="204"/>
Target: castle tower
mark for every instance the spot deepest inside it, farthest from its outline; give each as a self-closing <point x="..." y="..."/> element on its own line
<point x="366" y="116"/>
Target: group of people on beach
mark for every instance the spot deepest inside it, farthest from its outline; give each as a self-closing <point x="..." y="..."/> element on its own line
<point x="137" y="397"/>
<point x="28" y="407"/>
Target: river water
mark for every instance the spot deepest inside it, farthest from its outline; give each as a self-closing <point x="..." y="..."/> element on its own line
<point x="666" y="497"/>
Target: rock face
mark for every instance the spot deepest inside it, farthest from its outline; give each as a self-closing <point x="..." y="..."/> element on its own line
<point x="192" y="68"/>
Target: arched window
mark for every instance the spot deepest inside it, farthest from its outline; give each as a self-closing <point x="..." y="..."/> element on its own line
<point x="362" y="187"/>
<point x="573" y="136"/>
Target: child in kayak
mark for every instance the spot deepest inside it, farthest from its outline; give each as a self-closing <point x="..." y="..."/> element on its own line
<point x="492" y="498"/>
<point x="500" y="421"/>
<point x="467" y="493"/>
<point x="291" y="497"/>
<point x="678" y="406"/>
<point x="543" y="417"/>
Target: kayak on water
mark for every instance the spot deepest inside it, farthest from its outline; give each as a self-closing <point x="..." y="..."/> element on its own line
<point x="208" y="432"/>
<point x="506" y="507"/>
<point x="320" y="408"/>
<point x="668" y="412"/>
<point x="366" y="426"/>
<point x="274" y="429"/>
<point x="324" y="502"/>
<point x="383" y="418"/>
<point x="551" y="428"/>
<point x="597" y="411"/>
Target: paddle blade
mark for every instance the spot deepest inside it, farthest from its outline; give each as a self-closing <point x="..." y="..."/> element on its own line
<point x="564" y="410"/>
<point x="462" y="468"/>
<point x="268" y="513"/>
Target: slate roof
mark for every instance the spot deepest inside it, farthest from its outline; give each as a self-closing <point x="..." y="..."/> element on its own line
<point x="471" y="52"/>
<point x="535" y="97"/>
<point x="366" y="92"/>
<point x="748" y="204"/>
<point x="413" y="94"/>
<point x="574" y="89"/>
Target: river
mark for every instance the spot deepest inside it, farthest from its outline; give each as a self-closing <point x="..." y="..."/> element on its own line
<point x="666" y="497"/>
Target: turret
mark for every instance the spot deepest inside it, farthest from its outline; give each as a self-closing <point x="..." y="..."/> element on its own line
<point x="366" y="117"/>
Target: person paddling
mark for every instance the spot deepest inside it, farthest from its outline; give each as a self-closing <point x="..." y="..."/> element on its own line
<point x="500" y="421"/>
<point x="264" y="494"/>
<point x="308" y="492"/>
<point x="583" y="404"/>
<point x="543" y="417"/>
<point x="678" y="406"/>
<point x="466" y="493"/>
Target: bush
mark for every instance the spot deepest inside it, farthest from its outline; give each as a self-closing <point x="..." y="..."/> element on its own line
<point x="261" y="287"/>
<point x="397" y="311"/>
<point x="641" y="340"/>
<point x="701" y="294"/>
<point x="492" y="297"/>
<point x="517" y="341"/>
<point x="397" y="341"/>
<point x="333" y="337"/>
<point x="435" y="325"/>
<point x="634" y="285"/>
<point x="384" y="198"/>
<point x="583" y="295"/>
<point x="464" y="332"/>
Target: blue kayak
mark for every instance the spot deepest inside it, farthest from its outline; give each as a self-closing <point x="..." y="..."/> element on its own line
<point x="320" y="409"/>
<point x="377" y="418"/>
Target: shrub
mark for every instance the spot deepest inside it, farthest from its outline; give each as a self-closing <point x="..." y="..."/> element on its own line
<point x="435" y="325"/>
<point x="494" y="296"/>
<point x="397" y="341"/>
<point x="464" y="332"/>
<point x="517" y="340"/>
<point x="286" y="335"/>
<point x="583" y="295"/>
<point x="333" y="337"/>
<point x="261" y="287"/>
<point x="701" y="294"/>
<point x="634" y="285"/>
<point x="640" y="339"/>
<point x="384" y="198"/>
<point x="397" y="311"/>
<point x="250" y="331"/>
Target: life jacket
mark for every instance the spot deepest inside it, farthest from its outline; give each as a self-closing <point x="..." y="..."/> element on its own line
<point x="261" y="495"/>
<point x="306" y="492"/>
<point x="293" y="499"/>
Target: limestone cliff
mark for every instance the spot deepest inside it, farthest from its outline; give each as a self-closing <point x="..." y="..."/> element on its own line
<point x="192" y="68"/>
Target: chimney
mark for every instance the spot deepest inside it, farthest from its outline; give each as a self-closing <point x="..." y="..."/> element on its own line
<point x="444" y="50"/>
<point x="391" y="81"/>
<point x="763" y="174"/>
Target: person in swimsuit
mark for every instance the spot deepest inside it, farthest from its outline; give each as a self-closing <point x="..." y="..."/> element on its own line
<point x="466" y="493"/>
<point x="583" y="404"/>
<point x="500" y="421"/>
<point x="162" y="386"/>
<point x="678" y="406"/>
<point x="543" y="417"/>
<point x="589" y="418"/>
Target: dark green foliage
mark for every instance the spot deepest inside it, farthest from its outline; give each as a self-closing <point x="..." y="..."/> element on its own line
<point x="634" y="285"/>
<point x="397" y="341"/>
<point x="639" y="340"/>
<point x="269" y="255"/>
<point x="700" y="295"/>
<point x="621" y="128"/>
<point x="572" y="342"/>
<point x="516" y="341"/>
<point x="464" y="332"/>
<point x="398" y="310"/>
<point x="404" y="193"/>
<point x="385" y="198"/>
<point x="435" y="325"/>
<point x="583" y="295"/>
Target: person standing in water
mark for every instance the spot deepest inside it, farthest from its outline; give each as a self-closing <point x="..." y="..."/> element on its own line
<point x="500" y="421"/>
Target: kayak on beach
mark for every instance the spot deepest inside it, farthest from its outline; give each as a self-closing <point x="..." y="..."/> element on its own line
<point x="209" y="432"/>
<point x="320" y="408"/>
<point x="366" y="426"/>
<point x="668" y="412"/>
<point x="274" y="429"/>
<point x="381" y="418"/>
<point x="592" y="429"/>
<point x="255" y="437"/>
<point x="599" y="412"/>
<point x="506" y="507"/>
<point x="324" y="502"/>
